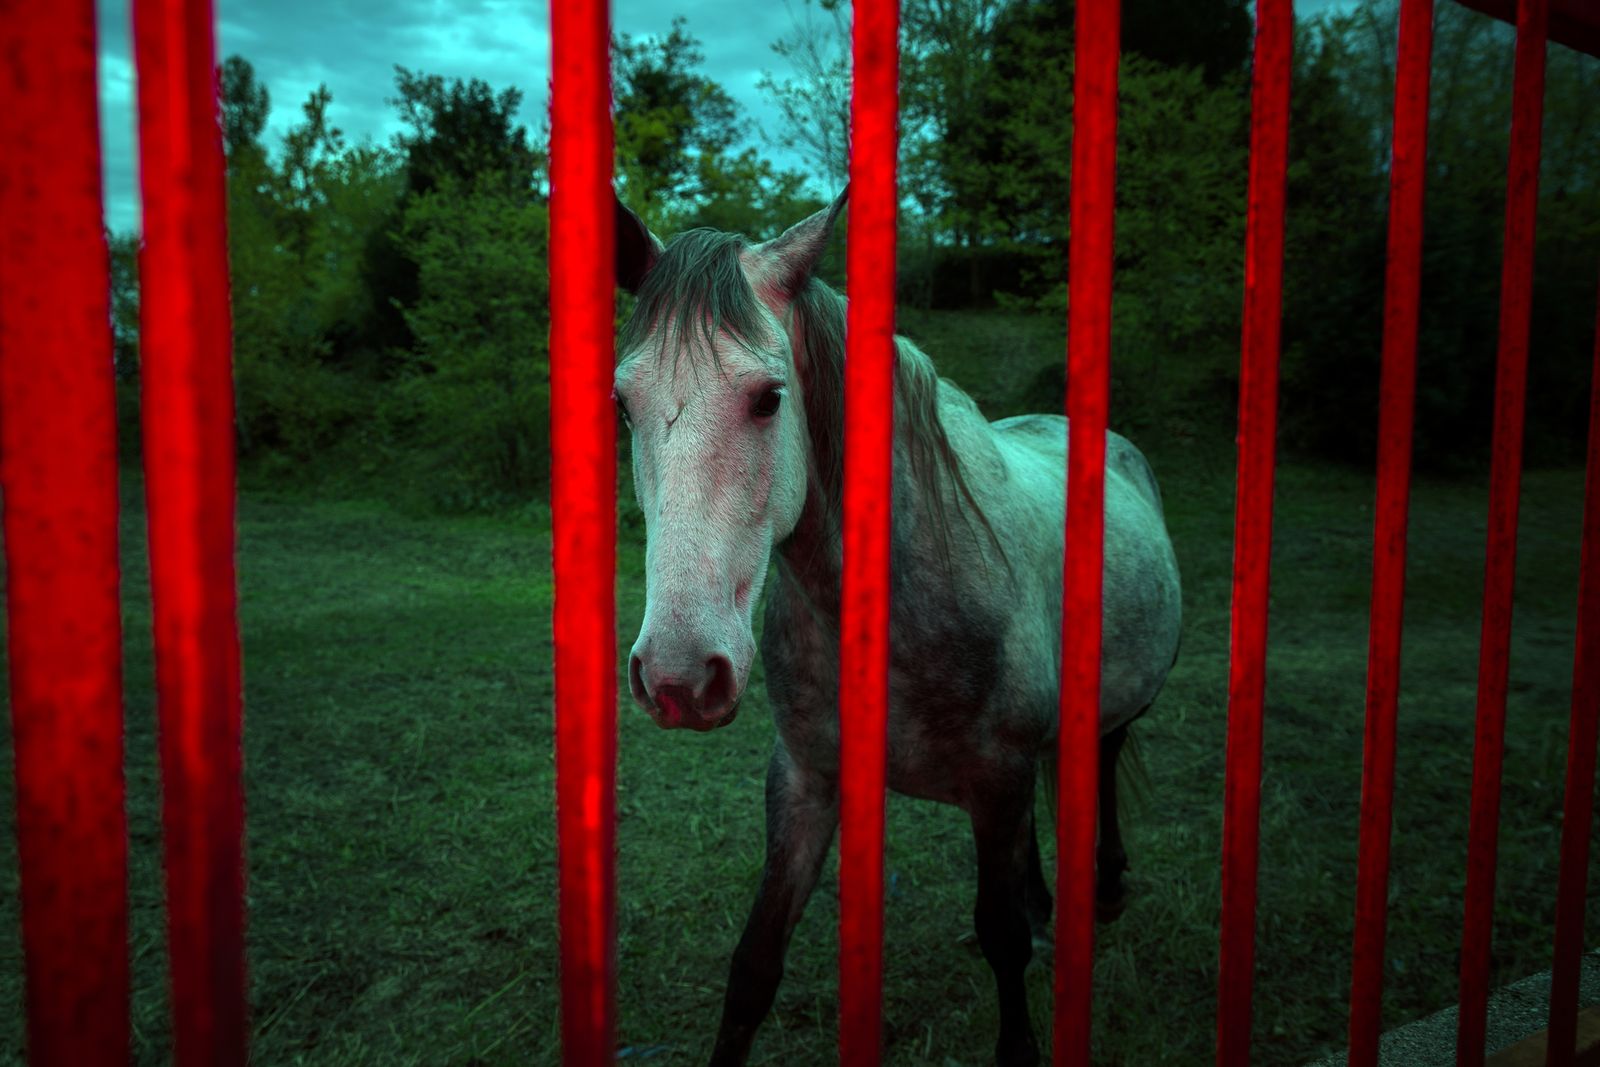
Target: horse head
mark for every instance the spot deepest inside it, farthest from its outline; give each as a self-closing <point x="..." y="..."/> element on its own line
<point x="708" y="385"/>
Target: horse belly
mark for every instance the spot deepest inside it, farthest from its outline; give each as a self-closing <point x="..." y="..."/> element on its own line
<point x="957" y="717"/>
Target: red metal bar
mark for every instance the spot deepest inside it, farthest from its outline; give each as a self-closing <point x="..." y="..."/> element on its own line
<point x="1094" y="194"/>
<point x="1578" y="814"/>
<point x="186" y="372"/>
<point x="868" y="483"/>
<point x="58" y="462"/>
<point x="1396" y="407"/>
<point x="1574" y="23"/>
<point x="1505" y="477"/>
<point x="1252" y="547"/>
<point x="583" y="508"/>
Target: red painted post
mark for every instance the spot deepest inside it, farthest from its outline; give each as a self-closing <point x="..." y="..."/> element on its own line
<point x="58" y="463"/>
<point x="1578" y="813"/>
<point x="864" y="604"/>
<point x="187" y="378"/>
<point x="583" y="508"/>
<point x="1252" y="548"/>
<point x="1396" y="407"/>
<point x="1094" y="196"/>
<point x="1505" y="477"/>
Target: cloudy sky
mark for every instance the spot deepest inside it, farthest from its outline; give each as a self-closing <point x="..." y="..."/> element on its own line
<point x="354" y="45"/>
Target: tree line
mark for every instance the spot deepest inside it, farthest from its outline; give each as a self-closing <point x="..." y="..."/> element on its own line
<point x="391" y="301"/>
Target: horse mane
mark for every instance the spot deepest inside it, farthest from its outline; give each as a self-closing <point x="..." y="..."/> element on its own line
<point x="698" y="290"/>
<point x="935" y="467"/>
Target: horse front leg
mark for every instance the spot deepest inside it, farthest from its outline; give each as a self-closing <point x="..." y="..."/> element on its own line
<point x="1003" y="830"/>
<point x="802" y="813"/>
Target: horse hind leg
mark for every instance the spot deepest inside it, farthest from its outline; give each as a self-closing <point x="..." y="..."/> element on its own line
<point x="1037" y="900"/>
<point x="1002" y="829"/>
<point x="1037" y="892"/>
<point x="1111" y="896"/>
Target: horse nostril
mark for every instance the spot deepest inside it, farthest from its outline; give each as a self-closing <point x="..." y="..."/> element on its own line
<point x="718" y="692"/>
<point x="641" y="695"/>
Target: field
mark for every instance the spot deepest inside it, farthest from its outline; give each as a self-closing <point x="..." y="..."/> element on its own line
<point x="400" y="790"/>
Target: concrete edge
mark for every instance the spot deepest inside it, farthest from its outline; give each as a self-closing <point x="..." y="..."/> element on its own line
<point x="1516" y="1011"/>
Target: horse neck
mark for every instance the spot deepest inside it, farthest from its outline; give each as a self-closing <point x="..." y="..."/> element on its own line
<point x="812" y="553"/>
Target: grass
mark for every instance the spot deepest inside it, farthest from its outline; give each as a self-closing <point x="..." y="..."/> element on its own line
<point x="400" y="791"/>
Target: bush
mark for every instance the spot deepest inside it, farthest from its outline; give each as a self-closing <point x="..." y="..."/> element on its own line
<point x="475" y="394"/>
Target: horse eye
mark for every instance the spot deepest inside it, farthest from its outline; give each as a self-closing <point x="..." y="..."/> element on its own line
<point x="622" y="412"/>
<point x="766" y="404"/>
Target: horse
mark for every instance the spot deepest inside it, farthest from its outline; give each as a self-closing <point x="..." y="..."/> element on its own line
<point x="730" y="378"/>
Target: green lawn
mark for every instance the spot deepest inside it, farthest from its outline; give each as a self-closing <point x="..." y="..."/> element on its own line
<point x="400" y="794"/>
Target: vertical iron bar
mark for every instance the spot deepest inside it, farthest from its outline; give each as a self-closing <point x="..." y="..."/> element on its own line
<point x="583" y="519"/>
<point x="1505" y="477"/>
<point x="58" y="463"/>
<point x="868" y="483"/>
<point x="1578" y="812"/>
<point x="187" y="409"/>
<point x="1252" y="550"/>
<point x="1094" y="184"/>
<point x="1396" y="408"/>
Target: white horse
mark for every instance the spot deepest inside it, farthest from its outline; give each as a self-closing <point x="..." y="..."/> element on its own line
<point x="731" y="378"/>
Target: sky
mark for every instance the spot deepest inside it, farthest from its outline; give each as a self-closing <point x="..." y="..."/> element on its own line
<point x="353" y="46"/>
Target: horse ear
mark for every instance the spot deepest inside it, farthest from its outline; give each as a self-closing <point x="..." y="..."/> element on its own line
<point x="787" y="262"/>
<point x="637" y="248"/>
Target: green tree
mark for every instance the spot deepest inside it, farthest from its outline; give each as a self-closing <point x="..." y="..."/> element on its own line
<point x="1333" y="251"/>
<point x="298" y="228"/>
<point x="1213" y="35"/>
<point x="124" y="250"/>
<point x="245" y="107"/>
<point x="953" y="144"/>
<point x="669" y="117"/>
<point x="1340" y="146"/>
<point x="475" y="392"/>
<point x="1181" y="184"/>
<point x="814" y="99"/>
<point x="678" y="131"/>
<point x="462" y="131"/>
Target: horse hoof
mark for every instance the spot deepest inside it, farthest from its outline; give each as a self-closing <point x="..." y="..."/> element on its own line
<point x="1017" y="1053"/>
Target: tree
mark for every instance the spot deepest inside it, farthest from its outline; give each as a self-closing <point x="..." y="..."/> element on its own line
<point x="668" y="117"/>
<point x="678" y="131"/>
<point x="245" y="106"/>
<point x="815" y="99"/>
<point x="474" y="393"/>
<point x="1333" y="252"/>
<point x="1213" y="35"/>
<point x="124" y="254"/>
<point x="1339" y="152"/>
<point x="462" y="131"/>
<point x="302" y="306"/>
<point x="952" y="144"/>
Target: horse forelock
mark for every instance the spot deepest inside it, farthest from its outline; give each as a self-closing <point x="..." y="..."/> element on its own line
<point x="695" y="293"/>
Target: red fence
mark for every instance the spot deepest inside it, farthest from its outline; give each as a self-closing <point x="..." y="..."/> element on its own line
<point x="58" y="459"/>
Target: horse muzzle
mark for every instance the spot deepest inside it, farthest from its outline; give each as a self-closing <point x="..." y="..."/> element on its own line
<point x="704" y="702"/>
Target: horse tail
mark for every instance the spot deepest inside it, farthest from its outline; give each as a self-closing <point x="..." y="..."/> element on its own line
<point x="1133" y="777"/>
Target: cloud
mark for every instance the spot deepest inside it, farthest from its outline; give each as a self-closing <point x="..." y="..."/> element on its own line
<point x="352" y="46"/>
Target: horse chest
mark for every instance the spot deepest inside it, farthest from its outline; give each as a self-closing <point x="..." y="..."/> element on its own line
<point x="948" y="718"/>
